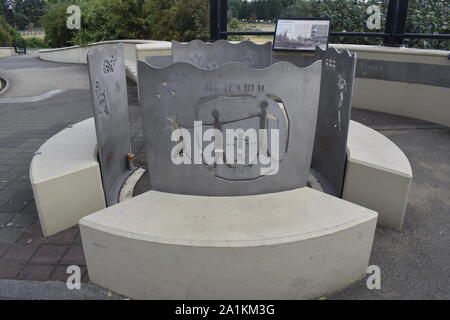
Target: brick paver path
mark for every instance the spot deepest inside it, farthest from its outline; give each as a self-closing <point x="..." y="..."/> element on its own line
<point x="24" y="253"/>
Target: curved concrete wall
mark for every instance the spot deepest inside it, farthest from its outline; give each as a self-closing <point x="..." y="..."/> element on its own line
<point x="408" y="82"/>
<point x="77" y="54"/>
<point x="159" y="48"/>
<point x="7" y="52"/>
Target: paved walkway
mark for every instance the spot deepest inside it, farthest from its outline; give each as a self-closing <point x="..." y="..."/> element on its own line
<point x="24" y="126"/>
<point x="414" y="263"/>
<point x="28" y="76"/>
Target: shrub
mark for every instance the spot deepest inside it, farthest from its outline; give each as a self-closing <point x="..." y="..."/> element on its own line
<point x="5" y="38"/>
<point x="36" y="43"/>
<point x="54" y="21"/>
<point x="8" y="35"/>
<point x="181" y="20"/>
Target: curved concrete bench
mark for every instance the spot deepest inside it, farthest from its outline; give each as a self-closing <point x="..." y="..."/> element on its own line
<point x="65" y="177"/>
<point x="378" y="175"/>
<point x="288" y="245"/>
<point x="67" y="164"/>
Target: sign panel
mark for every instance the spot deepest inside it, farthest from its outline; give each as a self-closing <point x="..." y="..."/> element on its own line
<point x="213" y="55"/>
<point x="229" y="131"/>
<point x="336" y="92"/>
<point x="110" y="107"/>
<point x="302" y="34"/>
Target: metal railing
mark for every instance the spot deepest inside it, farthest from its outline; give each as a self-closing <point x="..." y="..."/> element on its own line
<point x="393" y="35"/>
<point x="20" y="47"/>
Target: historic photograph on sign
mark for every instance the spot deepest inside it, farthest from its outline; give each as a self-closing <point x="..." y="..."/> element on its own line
<point x="301" y="34"/>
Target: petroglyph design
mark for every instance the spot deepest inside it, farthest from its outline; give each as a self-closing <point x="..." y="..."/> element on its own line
<point x="342" y="85"/>
<point x="101" y="101"/>
<point x="109" y="64"/>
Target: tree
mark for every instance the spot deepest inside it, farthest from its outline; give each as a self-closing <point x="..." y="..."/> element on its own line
<point x="54" y="21"/>
<point x="101" y="20"/>
<point x="23" y="13"/>
<point x="185" y="20"/>
<point x="425" y="16"/>
<point x="181" y="20"/>
<point x="8" y="35"/>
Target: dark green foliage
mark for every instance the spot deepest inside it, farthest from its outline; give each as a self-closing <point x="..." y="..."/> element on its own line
<point x="8" y="35"/>
<point x="185" y="20"/>
<point x="424" y="16"/>
<point x="181" y="20"/>
<point x="35" y="43"/>
<point x="26" y="13"/>
<point x="54" y="21"/>
<point x="428" y="16"/>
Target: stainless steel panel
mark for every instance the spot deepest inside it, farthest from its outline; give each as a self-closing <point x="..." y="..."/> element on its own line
<point x="282" y="96"/>
<point x="336" y="92"/>
<point x="110" y="107"/>
<point x="207" y="55"/>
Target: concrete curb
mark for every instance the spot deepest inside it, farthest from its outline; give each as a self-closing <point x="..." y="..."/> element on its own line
<point x="38" y="98"/>
<point x="5" y="87"/>
<point x="127" y="190"/>
<point x="52" y="290"/>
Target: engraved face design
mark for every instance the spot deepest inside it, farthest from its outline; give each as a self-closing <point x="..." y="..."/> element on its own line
<point x="252" y="119"/>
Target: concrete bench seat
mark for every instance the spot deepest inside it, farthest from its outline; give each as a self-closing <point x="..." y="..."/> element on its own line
<point x="378" y="175"/>
<point x="288" y="245"/>
<point x="65" y="178"/>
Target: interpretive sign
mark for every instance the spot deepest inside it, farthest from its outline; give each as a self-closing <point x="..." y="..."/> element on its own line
<point x="301" y="34"/>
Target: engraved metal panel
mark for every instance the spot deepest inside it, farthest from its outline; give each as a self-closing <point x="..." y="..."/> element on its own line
<point x="159" y="61"/>
<point x="336" y="91"/>
<point x="235" y="96"/>
<point x="110" y="107"/>
<point x="207" y="55"/>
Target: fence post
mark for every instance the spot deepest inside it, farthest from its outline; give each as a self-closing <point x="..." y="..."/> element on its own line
<point x="223" y="19"/>
<point x="395" y="22"/>
<point x="214" y="20"/>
